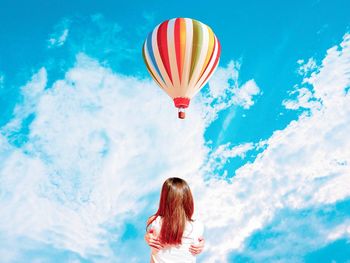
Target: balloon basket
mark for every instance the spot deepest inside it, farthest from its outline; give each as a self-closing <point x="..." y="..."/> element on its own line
<point x="182" y="113"/>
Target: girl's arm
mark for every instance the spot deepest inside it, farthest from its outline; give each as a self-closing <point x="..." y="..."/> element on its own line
<point x="151" y="236"/>
<point x="152" y="240"/>
<point x="197" y="248"/>
<point x="199" y="243"/>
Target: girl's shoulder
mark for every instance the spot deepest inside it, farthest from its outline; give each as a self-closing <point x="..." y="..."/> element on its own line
<point x="154" y="222"/>
<point x="151" y="219"/>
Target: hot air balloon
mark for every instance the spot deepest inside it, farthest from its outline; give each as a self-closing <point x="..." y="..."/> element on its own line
<point x="181" y="54"/>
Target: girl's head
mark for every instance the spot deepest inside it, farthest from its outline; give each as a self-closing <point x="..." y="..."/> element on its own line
<point x="176" y="208"/>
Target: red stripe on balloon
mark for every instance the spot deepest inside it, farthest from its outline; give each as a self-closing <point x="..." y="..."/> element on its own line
<point x="177" y="37"/>
<point x="162" y="40"/>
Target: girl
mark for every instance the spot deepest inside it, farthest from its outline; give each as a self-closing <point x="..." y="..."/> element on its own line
<point x="173" y="224"/>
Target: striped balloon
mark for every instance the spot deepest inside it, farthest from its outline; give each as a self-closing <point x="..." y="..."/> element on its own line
<point x="181" y="54"/>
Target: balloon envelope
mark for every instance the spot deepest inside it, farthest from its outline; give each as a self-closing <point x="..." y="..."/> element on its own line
<point x="181" y="54"/>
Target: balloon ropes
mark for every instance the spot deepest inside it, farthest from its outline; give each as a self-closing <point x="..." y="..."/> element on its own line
<point x="181" y="54"/>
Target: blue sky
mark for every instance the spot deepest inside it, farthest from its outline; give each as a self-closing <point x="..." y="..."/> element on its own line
<point x="86" y="137"/>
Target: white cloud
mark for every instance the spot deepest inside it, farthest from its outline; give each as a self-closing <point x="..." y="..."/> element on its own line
<point x="224" y="152"/>
<point x="340" y="231"/>
<point x="243" y="96"/>
<point x="235" y="97"/>
<point x="59" y="37"/>
<point x="57" y="41"/>
<point x="306" y="67"/>
<point x="225" y="91"/>
<point x="223" y="80"/>
<point x="304" y="100"/>
<point x="31" y="93"/>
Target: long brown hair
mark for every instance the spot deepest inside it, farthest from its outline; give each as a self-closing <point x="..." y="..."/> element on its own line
<point x="176" y="208"/>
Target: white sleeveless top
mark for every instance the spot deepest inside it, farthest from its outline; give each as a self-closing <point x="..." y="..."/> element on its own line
<point x="178" y="254"/>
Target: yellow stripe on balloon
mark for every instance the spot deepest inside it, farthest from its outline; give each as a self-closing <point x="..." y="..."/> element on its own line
<point x="210" y="49"/>
<point x="202" y="49"/>
<point x="208" y="72"/>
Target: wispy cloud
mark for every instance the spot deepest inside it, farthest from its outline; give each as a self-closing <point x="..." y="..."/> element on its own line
<point x="2" y="79"/>
<point x="306" y="67"/>
<point x="225" y="91"/>
<point x="224" y="152"/>
<point x="59" y="37"/>
<point x="59" y="41"/>
<point x="243" y="96"/>
<point x="342" y="230"/>
<point x="95" y="36"/>
<point x="305" y="100"/>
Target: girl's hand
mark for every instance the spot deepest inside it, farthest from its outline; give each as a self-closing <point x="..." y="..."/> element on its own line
<point x="153" y="241"/>
<point x="198" y="248"/>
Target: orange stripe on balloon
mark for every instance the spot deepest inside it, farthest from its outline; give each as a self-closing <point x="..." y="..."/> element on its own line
<point x="180" y="44"/>
<point x="162" y="40"/>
